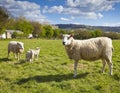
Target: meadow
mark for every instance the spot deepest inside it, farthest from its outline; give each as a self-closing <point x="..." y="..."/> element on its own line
<point x="53" y="71"/>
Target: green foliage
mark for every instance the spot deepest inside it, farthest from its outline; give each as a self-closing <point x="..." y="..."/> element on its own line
<point x="24" y="26"/>
<point x="11" y="24"/>
<point x="56" y="33"/>
<point x="14" y="35"/>
<point x="2" y="30"/>
<point x="113" y="35"/>
<point x="82" y="34"/>
<point x="96" y="33"/>
<point x="62" y="31"/>
<point x="3" y="19"/>
<point x="53" y="71"/>
<point x="38" y="30"/>
<point x="18" y="35"/>
<point x="3" y="16"/>
<point x="48" y="31"/>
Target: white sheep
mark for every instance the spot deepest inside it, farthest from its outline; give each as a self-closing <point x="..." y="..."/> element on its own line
<point x="32" y="53"/>
<point x="90" y="50"/>
<point x="16" y="47"/>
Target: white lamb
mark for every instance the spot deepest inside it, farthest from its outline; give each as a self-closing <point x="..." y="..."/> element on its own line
<point x="90" y="50"/>
<point x="16" y="47"/>
<point x="32" y="53"/>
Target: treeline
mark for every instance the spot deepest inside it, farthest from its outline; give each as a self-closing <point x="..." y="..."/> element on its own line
<point x="35" y="28"/>
<point x="27" y="27"/>
<point x="85" y="34"/>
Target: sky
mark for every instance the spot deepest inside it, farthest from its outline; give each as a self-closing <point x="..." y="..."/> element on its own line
<point x="88" y="12"/>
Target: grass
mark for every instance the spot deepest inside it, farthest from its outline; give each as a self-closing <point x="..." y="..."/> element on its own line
<point x="53" y="71"/>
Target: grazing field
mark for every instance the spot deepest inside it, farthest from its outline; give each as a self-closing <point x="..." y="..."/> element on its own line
<point x="53" y="71"/>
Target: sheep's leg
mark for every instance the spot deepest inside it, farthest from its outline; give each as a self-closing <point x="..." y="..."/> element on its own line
<point x="109" y="62"/>
<point x="75" y="68"/>
<point x="37" y="57"/>
<point x="8" y="53"/>
<point x="104" y="64"/>
<point x="17" y="56"/>
<point x="30" y="60"/>
<point x="110" y="67"/>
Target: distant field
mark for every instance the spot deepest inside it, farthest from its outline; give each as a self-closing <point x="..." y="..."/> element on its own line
<point x="53" y="72"/>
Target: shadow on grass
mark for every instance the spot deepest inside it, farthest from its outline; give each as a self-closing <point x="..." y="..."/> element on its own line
<point x="20" y="62"/>
<point x="49" y="78"/>
<point x="5" y="59"/>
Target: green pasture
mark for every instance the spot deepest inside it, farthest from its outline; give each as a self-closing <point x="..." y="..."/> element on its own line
<point x="53" y="71"/>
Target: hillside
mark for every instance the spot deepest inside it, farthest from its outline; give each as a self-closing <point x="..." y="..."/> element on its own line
<point x="76" y="26"/>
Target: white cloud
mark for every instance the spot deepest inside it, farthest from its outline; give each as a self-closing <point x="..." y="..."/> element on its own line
<point x="91" y="5"/>
<point x="23" y="8"/>
<point x="64" y="19"/>
<point x="100" y="15"/>
<point x="89" y="9"/>
<point x="67" y="19"/>
<point x="58" y="9"/>
<point x="111" y="24"/>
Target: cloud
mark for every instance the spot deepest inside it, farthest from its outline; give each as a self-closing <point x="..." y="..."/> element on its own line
<point x="58" y="9"/>
<point x="23" y="8"/>
<point x="111" y="24"/>
<point x="67" y="19"/>
<point x="91" y="5"/>
<point x="64" y="19"/>
<point x="89" y="9"/>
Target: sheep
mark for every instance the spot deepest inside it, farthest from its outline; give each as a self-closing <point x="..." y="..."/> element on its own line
<point x="32" y="53"/>
<point x="89" y="50"/>
<point x="29" y="56"/>
<point x="16" y="47"/>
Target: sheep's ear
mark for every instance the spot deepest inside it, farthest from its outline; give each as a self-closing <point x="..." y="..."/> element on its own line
<point x="72" y="35"/>
<point x="18" y="44"/>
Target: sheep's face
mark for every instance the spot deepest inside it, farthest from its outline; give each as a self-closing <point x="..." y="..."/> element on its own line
<point x="67" y="39"/>
<point x="20" y="46"/>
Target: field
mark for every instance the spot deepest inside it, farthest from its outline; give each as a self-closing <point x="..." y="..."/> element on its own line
<point x="53" y="71"/>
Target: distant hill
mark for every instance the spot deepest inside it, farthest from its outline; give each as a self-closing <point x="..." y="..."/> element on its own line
<point x="76" y="26"/>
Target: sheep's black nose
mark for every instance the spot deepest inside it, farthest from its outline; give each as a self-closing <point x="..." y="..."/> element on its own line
<point x="63" y="43"/>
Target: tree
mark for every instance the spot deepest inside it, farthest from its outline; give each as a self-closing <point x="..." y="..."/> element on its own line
<point x="48" y="31"/>
<point x="38" y="30"/>
<point x="82" y="34"/>
<point x="14" y="35"/>
<point x="3" y="19"/>
<point x="24" y="26"/>
<point x="3" y="16"/>
<point x="96" y="33"/>
<point x="56" y="33"/>
<point x="11" y="24"/>
<point x="112" y="35"/>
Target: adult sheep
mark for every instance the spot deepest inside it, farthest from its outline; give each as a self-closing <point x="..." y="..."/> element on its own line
<point x="16" y="47"/>
<point x="90" y="50"/>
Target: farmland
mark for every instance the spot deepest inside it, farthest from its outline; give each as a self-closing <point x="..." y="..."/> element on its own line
<point x="53" y="71"/>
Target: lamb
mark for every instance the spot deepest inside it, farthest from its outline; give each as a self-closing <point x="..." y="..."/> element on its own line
<point x="32" y="53"/>
<point x="16" y="47"/>
<point x="90" y="50"/>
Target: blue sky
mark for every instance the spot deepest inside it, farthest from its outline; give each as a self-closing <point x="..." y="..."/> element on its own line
<point x="88" y="12"/>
